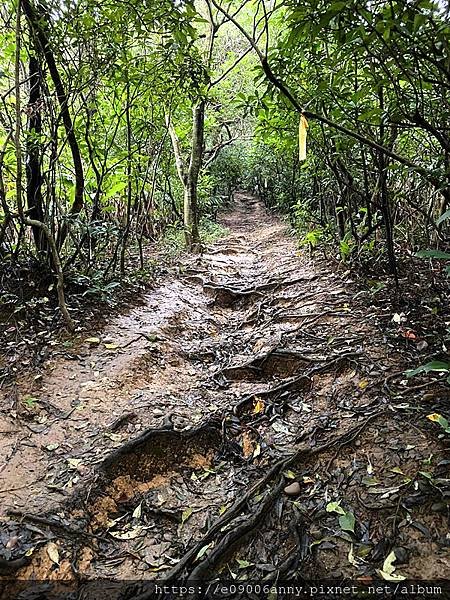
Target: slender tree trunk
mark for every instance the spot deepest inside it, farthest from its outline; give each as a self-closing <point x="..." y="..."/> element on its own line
<point x="189" y="176"/>
<point x="383" y="165"/>
<point x="7" y="220"/>
<point x="38" y="24"/>
<point x="96" y="209"/>
<point x="33" y="160"/>
<point x="127" y="223"/>
<point x="195" y="164"/>
<point x="19" y="170"/>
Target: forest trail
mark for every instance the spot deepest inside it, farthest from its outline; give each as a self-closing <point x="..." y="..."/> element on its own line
<point x="254" y="368"/>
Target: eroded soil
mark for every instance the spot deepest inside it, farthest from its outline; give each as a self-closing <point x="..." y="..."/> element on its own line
<point x="161" y="446"/>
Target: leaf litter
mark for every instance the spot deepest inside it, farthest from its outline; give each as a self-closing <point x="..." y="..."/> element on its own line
<point x="248" y="414"/>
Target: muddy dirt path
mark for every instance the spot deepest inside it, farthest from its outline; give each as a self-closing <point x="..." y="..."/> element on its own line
<point x="208" y="430"/>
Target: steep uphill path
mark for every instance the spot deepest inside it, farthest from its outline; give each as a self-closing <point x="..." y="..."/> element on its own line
<point x="250" y="420"/>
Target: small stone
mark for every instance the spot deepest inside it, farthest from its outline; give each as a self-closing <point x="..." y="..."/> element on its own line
<point x="12" y="542"/>
<point x="293" y="489"/>
<point x="157" y="412"/>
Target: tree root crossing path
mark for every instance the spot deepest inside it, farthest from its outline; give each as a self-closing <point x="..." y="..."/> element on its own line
<point x="247" y="420"/>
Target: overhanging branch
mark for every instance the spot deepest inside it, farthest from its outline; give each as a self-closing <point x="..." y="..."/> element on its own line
<point x="282" y="87"/>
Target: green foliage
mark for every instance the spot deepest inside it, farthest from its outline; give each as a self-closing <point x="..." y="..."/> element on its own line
<point x="435" y="366"/>
<point x="440" y="420"/>
<point x="210" y="231"/>
<point x="437" y="254"/>
<point x="312" y="238"/>
<point x="346" y="247"/>
<point x="30" y="402"/>
<point x="353" y="63"/>
<point x="377" y="70"/>
<point x="443" y="217"/>
<point x="124" y="70"/>
<point x="172" y="244"/>
<point x="97" y="286"/>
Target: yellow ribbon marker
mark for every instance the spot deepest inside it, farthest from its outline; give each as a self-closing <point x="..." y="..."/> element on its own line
<point x="302" y="127"/>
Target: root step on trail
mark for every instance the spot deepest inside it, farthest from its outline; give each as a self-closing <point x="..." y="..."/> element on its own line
<point x="163" y="450"/>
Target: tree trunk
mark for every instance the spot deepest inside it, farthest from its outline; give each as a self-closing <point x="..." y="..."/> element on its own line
<point x="191" y="186"/>
<point x="38" y="24"/>
<point x="33" y="160"/>
<point x="189" y="177"/>
<point x="127" y="222"/>
<point x="383" y="166"/>
<point x="25" y="219"/>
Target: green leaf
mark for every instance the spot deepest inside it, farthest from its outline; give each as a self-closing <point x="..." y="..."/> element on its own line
<point x="370" y="481"/>
<point x="118" y="187"/>
<point x="347" y="522"/>
<point x="442" y="421"/>
<point x="289" y="474"/>
<point x="30" y="401"/>
<point x="397" y="471"/>
<point x="434" y="365"/>
<point x="244" y="564"/>
<point x="419" y="20"/>
<point x="186" y="514"/>
<point x="335" y="507"/>
<point x="203" y="551"/>
<point x="443" y="217"/>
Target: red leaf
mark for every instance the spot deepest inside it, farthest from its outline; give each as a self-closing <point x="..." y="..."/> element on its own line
<point x="409" y="334"/>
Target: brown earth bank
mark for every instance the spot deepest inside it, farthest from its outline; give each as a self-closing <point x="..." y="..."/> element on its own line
<point x="250" y="420"/>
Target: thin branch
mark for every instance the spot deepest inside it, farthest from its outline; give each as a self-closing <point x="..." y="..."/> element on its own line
<point x="218" y="149"/>
<point x="280" y="85"/>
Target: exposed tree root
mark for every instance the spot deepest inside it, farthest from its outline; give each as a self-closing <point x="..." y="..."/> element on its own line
<point x="282" y="386"/>
<point x="226" y="295"/>
<point x="8" y="567"/>
<point x="56" y="524"/>
<point x="298" y="383"/>
<point x="154" y="451"/>
<point x="295" y="556"/>
<point x="301" y="383"/>
<point x="237" y="525"/>
<point x="277" y="361"/>
<point x="151" y="452"/>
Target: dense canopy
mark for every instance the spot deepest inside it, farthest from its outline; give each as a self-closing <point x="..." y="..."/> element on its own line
<point x="135" y="119"/>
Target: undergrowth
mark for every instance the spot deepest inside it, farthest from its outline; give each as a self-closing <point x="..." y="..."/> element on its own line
<point x="173" y="243"/>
